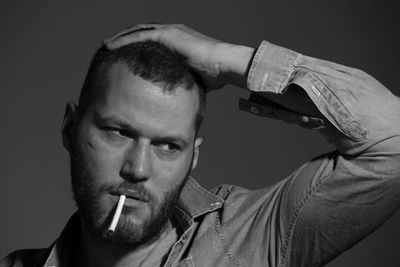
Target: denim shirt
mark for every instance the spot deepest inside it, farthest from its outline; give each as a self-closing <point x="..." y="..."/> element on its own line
<point x="320" y="210"/>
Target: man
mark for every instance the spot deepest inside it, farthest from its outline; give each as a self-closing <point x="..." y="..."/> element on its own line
<point x="134" y="134"/>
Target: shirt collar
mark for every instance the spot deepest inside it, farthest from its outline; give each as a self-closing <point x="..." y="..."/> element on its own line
<point x="194" y="201"/>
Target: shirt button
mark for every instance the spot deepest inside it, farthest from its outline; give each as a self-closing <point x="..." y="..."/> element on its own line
<point x="305" y="119"/>
<point x="315" y="90"/>
<point x="254" y="110"/>
<point x="215" y="204"/>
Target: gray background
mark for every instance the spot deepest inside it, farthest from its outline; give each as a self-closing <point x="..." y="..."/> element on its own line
<point x="45" y="48"/>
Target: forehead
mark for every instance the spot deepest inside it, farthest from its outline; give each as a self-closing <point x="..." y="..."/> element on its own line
<point x="133" y="99"/>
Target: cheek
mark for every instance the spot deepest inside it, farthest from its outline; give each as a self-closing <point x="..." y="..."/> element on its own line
<point x="102" y="162"/>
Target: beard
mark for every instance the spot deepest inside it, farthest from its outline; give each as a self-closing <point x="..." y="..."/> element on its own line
<point x="96" y="219"/>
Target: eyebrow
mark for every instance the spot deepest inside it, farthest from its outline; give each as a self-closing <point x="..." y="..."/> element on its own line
<point x="173" y="138"/>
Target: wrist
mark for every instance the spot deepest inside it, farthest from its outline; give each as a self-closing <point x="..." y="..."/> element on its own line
<point x="232" y="63"/>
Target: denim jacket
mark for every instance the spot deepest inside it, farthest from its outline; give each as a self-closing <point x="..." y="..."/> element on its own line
<point x="320" y="210"/>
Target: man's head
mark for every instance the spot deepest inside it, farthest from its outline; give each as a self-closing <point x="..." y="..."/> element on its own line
<point x="134" y="133"/>
<point x="149" y="60"/>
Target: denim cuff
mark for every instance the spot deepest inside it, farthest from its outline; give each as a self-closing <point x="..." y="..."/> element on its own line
<point x="271" y="69"/>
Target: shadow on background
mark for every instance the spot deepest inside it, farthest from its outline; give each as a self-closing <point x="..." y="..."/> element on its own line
<point x="45" y="50"/>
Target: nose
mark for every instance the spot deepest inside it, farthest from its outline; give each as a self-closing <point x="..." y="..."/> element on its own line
<point x="136" y="165"/>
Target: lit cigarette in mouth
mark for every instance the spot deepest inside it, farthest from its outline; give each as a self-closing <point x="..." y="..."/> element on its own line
<point x="117" y="214"/>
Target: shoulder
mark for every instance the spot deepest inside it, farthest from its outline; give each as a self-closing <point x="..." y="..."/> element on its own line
<point x="232" y="193"/>
<point x="242" y="201"/>
<point x="225" y="191"/>
<point x="24" y="258"/>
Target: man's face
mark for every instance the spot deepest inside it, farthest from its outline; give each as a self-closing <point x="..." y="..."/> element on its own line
<point x="137" y="140"/>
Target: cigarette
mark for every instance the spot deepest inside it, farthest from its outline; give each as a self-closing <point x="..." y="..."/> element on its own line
<point x="117" y="214"/>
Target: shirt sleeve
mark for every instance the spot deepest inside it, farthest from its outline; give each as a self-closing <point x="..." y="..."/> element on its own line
<point x="335" y="200"/>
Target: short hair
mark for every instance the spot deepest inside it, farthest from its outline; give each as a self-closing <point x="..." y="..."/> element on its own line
<point x="151" y="61"/>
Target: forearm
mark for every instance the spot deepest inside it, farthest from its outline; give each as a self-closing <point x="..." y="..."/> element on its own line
<point x="233" y="62"/>
<point x="361" y="111"/>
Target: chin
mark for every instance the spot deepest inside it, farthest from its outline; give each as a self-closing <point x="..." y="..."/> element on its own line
<point x="132" y="231"/>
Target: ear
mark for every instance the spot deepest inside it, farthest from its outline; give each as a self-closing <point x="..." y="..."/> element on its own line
<point x="69" y="123"/>
<point x="197" y="143"/>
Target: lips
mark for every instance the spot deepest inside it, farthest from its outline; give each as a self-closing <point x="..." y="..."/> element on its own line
<point x="132" y="193"/>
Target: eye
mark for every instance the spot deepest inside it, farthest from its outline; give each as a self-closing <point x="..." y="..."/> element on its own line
<point x="116" y="132"/>
<point x="168" y="148"/>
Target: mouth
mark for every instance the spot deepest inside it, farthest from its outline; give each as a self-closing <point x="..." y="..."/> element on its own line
<point x="131" y="194"/>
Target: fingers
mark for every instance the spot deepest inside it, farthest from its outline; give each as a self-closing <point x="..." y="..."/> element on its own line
<point x="132" y="34"/>
<point x="130" y="30"/>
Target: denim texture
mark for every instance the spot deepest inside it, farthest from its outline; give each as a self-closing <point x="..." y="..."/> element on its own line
<point x="323" y="208"/>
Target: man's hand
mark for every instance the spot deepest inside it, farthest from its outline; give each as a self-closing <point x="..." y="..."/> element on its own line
<point x="218" y="63"/>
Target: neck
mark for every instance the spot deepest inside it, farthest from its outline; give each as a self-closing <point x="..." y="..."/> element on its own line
<point x="93" y="253"/>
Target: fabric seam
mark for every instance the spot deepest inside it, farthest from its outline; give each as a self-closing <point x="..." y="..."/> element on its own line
<point x="297" y="213"/>
<point x="288" y="74"/>
<point x="224" y="243"/>
<point x="346" y="121"/>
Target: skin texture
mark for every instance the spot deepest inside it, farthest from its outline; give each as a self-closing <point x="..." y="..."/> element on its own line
<point x="134" y="136"/>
